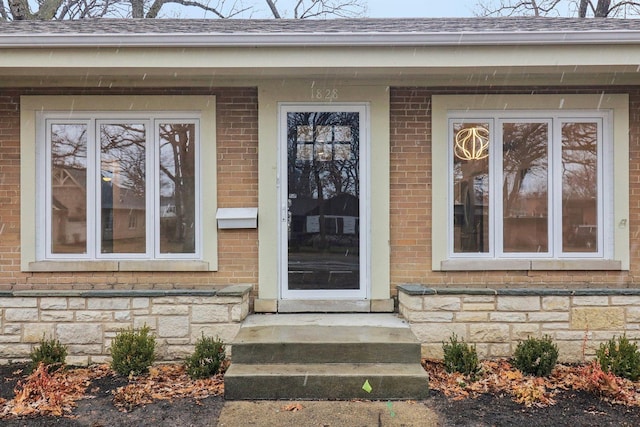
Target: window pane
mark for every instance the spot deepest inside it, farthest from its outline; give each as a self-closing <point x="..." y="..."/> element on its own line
<point x="524" y="187"/>
<point x="470" y="187"/>
<point x="122" y="173"/>
<point x="177" y="188"/>
<point x="69" y="189"/>
<point x="579" y="187"/>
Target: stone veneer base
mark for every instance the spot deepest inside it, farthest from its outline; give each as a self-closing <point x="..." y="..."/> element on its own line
<point x="495" y="320"/>
<point x="87" y="321"/>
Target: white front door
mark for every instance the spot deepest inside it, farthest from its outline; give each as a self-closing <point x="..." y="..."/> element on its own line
<point x="324" y="214"/>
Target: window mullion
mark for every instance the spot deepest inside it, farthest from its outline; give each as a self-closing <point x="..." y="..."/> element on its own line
<point x="496" y="224"/>
<point x="47" y="191"/>
<point x="555" y="196"/>
<point x="554" y="204"/>
<point x="602" y="217"/>
<point x="93" y="193"/>
<point x="153" y="189"/>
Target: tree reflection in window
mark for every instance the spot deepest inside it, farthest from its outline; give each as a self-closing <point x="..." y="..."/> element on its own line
<point x="68" y="188"/>
<point x="524" y="187"/>
<point x="123" y="186"/>
<point x="579" y="187"/>
<point x="177" y="188"/>
<point x="323" y="191"/>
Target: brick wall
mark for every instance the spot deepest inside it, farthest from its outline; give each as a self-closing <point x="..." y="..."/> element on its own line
<point x="237" y="186"/>
<point x="411" y="199"/>
<point x="237" y="142"/>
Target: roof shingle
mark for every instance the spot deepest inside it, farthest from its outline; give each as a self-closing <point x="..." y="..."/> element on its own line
<point x="297" y="26"/>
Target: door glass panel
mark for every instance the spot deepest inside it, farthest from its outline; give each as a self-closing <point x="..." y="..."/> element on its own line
<point x="122" y="189"/>
<point x="524" y="187"/>
<point x="470" y="187"/>
<point x="323" y="192"/>
<point x="580" y="187"/>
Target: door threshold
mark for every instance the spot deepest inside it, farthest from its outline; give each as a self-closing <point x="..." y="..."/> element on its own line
<point x="324" y="306"/>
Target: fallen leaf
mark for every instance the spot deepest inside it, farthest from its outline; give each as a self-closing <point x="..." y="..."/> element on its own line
<point x="293" y="407"/>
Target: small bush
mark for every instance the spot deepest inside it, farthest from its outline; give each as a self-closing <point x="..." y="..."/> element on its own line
<point x="207" y="359"/>
<point x="536" y="356"/>
<point x="620" y="357"/>
<point x="460" y="357"/>
<point x="50" y="353"/>
<point x="132" y="352"/>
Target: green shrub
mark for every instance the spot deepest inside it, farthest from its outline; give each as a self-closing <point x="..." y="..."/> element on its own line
<point x="207" y="359"/>
<point x="50" y="352"/>
<point x="620" y="357"/>
<point x="536" y="356"/>
<point x="460" y="357"/>
<point x="132" y="352"/>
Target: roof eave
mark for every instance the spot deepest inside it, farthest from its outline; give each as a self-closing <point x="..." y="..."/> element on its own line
<point x="318" y="39"/>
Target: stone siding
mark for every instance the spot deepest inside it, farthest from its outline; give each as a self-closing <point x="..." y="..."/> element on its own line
<point x="578" y="321"/>
<point x="87" y="321"/>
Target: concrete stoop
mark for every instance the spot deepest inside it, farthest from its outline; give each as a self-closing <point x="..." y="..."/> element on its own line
<point x="325" y="356"/>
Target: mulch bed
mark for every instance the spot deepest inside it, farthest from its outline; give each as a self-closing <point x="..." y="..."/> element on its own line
<point x="97" y="397"/>
<point x="499" y="396"/>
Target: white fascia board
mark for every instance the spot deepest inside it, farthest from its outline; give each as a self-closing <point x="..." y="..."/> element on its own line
<point x="319" y="39"/>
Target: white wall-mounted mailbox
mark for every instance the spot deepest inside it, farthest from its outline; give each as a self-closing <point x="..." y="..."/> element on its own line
<point x="237" y="217"/>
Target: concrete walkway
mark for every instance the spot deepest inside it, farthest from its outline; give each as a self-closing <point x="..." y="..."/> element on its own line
<point x="327" y="414"/>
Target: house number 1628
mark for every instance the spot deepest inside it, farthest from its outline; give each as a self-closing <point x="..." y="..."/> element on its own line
<point x="324" y="94"/>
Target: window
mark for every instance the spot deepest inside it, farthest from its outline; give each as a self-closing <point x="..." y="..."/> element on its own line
<point x="527" y="186"/>
<point x="530" y="188"/>
<point x="121" y="188"/>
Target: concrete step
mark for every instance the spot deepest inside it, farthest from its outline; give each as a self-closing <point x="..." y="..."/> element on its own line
<point x="325" y="344"/>
<point x="326" y="381"/>
<point x="325" y="356"/>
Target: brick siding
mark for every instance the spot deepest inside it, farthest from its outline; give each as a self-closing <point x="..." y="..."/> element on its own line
<point x="237" y="155"/>
<point x="411" y="199"/>
<point x="237" y="151"/>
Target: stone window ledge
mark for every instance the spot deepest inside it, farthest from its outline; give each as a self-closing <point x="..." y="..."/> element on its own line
<point x="527" y="264"/>
<point x="413" y="289"/>
<point x="146" y="265"/>
<point x="228" y="291"/>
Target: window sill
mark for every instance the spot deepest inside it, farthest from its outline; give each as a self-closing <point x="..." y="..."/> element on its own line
<point x="147" y="265"/>
<point x="526" y="264"/>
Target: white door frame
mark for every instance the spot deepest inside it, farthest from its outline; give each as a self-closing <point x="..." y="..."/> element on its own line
<point x="364" y="291"/>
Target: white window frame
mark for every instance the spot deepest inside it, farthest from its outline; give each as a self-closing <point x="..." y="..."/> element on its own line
<point x="94" y="119"/>
<point x="495" y="120"/>
<point x="614" y="109"/>
<point x="31" y="161"/>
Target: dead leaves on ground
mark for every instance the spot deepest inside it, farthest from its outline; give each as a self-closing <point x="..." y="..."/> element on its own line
<point x="45" y="393"/>
<point x="55" y="394"/>
<point x="165" y="382"/>
<point x="292" y="407"/>
<point x="498" y="377"/>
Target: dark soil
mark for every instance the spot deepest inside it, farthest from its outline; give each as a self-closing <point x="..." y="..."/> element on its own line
<point x="572" y="409"/>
